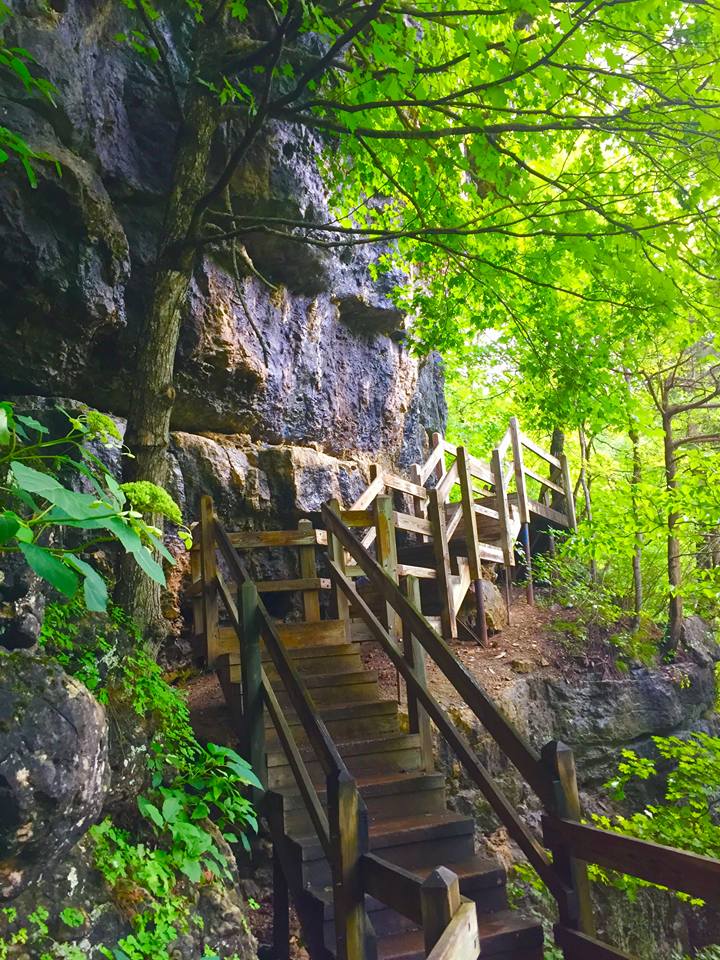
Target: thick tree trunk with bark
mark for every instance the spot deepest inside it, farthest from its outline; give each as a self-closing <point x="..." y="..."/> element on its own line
<point x="675" y="611"/>
<point x="152" y="391"/>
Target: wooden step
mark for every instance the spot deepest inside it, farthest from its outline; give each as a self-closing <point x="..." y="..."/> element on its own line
<point x="385" y="796"/>
<point x="399" y="752"/>
<point x="320" y="633"/>
<point x="503" y="936"/>
<point x="410" y="842"/>
<point x="336" y="689"/>
<point x="347" y="661"/>
<point x="365" y="719"/>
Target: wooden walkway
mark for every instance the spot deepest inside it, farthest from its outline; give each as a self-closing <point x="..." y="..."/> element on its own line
<point x="364" y="844"/>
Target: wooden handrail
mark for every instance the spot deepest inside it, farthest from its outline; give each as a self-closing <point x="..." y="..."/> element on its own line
<point x="447" y="483"/>
<point x="303" y="779"/>
<point x="538" y="451"/>
<point x="518" y="831"/>
<point x="525" y="758"/>
<point x="680" y="870"/>
<point x="578" y="946"/>
<point x="317" y="733"/>
<point x="392" y="885"/>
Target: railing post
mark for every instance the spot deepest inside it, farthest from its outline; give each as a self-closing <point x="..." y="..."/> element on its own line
<point x="523" y="504"/>
<point x="578" y="913"/>
<point x="440" y="901"/>
<point x="337" y="554"/>
<point x="347" y="818"/>
<point x="438" y="440"/>
<point x="503" y="509"/>
<point x="419" y="721"/>
<point x="568" y="488"/>
<point x="420" y="506"/>
<point x="274" y="809"/>
<point x="208" y="566"/>
<point x="472" y="540"/>
<point x="386" y="546"/>
<point x="251" y="677"/>
<point x="436" y="516"/>
<point x="197" y="600"/>
<point x="308" y="568"/>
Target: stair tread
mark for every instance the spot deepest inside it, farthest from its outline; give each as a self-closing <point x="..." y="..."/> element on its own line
<point x="350" y="711"/>
<point x="499" y="933"/>
<point x="364" y="745"/>
<point x="396" y="831"/>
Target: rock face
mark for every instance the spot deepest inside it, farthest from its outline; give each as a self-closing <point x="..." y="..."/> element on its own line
<point x="281" y="342"/>
<point x="54" y="770"/>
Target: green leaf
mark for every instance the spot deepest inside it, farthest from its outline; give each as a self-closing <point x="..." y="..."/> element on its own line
<point x="150" y="811"/>
<point x="5" y="435"/>
<point x="32" y="423"/>
<point x="192" y="870"/>
<point x="171" y="807"/>
<point x="9" y="525"/>
<point x="94" y="587"/>
<point x="50" y="568"/>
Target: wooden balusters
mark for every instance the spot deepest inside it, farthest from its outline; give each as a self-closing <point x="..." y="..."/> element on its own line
<point x="503" y="510"/>
<point x="436" y="515"/>
<point x="569" y="495"/>
<point x="437" y="440"/>
<point x="337" y="554"/>
<point x="523" y="504"/>
<point x="251" y="677"/>
<point x="386" y="547"/>
<point x="419" y="721"/>
<point x="347" y="816"/>
<point x="197" y="596"/>
<point x="308" y="570"/>
<point x="576" y="912"/>
<point x="472" y="541"/>
<point x="208" y="566"/>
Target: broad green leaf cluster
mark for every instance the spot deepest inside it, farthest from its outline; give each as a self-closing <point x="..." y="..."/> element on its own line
<point x="58" y="500"/>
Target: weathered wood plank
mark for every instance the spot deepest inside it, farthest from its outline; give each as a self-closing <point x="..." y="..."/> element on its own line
<point x="453" y="514"/>
<point x="395" y="482"/>
<point x="447" y="483"/>
<point x="538" y="451"/>
<point x="483" y="511"/>
<point x="440" y="901"/>
<point x="392" y="885"/>
<point x="677" y="869"/>
<point x="501" y="505"/>
<point x="253" y="539"/>
<point x="460" y="940"/>
<point x="468" y="511"/>
<point x="208" y="566"/>
<point x="520" y="471"/>
<point x="415" y="655"/>
<point x="405" y="521"/>
<point x="408" y="570"/>
<point x="504" y="445"/>
<point x="386" y="547"/>
<point x="376" y="487"/>
<point x="436" y="513"/>
<point x="542" y="510"/>
<point x="308" y="571"/>
<point x="358" y="518"/>
<point x="303" y="583"/>
<point x="337" y="554"/>
<point x="428" y="468"/>
<point x="569" y="496"/>
<point x="544" y="481"/>
<point x="253" y="733"/>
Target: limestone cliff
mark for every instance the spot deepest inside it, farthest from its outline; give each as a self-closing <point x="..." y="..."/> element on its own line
<point x="310" y="356"/>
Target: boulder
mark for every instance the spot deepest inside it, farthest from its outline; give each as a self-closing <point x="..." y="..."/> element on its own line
<point x="495" y="609"/>
<point x="54" y="771"/>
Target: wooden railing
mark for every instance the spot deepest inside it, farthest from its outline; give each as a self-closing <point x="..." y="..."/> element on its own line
<point x="449" y="921"/>
<point x="551" y="774"/>
<point x="498" y="491"/>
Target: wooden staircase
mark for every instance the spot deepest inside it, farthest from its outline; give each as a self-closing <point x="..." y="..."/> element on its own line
<point x="409" y="823"/>
<point x="377" y="865"/>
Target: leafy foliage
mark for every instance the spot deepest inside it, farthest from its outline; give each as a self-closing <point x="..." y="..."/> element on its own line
<point x="687" y="816"/>
<point x="41" y="505"/>
<point x="195" y="803"/>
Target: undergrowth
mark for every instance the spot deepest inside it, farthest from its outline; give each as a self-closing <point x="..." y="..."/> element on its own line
<point x="155" y="865"/>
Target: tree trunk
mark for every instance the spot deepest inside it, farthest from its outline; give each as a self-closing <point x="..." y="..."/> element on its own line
<point x="152" y="392"/>
<point x="675" y="611"/>
<point x="585" y="486"/>
<point x="635" y="481"/>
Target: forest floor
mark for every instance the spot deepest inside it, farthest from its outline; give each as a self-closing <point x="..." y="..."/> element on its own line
<point x="527" y="645"/>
